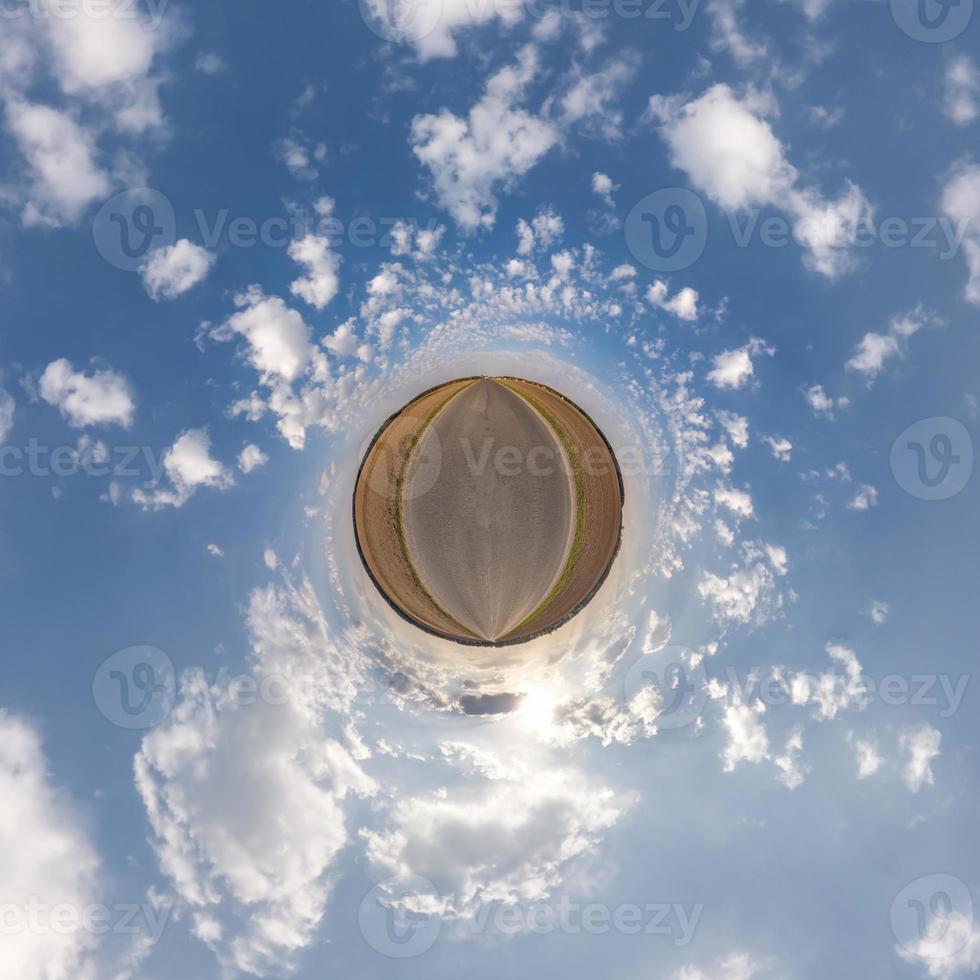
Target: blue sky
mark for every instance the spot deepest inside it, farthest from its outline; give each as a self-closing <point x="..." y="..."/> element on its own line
<point x="234" y="239"/>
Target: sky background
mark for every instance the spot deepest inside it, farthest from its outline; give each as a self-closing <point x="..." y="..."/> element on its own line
<point x="235" y="238"/>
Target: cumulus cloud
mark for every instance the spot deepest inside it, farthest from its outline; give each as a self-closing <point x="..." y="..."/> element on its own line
<point x="603" y="187"/>
<point x="189" y="466"/>
<point x="278" y="338"/>
<point x="948" y="947"/>
<point x="105" y="68"/>
<point x="491" y="149"/>
<point x="683" y="304"/>
<point x="590" y="97"/>
<point x="747" y="738"/>
<point x="48" y="858"/>
<point x="961" y="203"/>
<point x="251" y="457"/>
<point x="878" y="611"/>
<point x="516" y="840"/>
<point x="781" y="448"/>
<point x="865" y="497"/>
<point x="729" y="152"/>
<point x="835" y="690"/>
<point x="102" y="397"/>
<point x="867" y="757"/>
<point x="432" y="28"/>
<point x="919" y="746"/>
<point x="877" y="348"/>
<point x="544" y="229"/>
<point x="322" y="281"/>
<point x="171" y="270"/>
<point x="245" y="795"/>
<point x="961" y="99"/>
<point x="733" y="369"/>
<point x="822" y="404"/>
<point x="65" y="175"/>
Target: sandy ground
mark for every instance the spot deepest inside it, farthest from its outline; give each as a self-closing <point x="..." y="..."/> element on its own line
<point x="491" y="536"/>
<point x="487" y="537"/>
<point x="603" y="507"/>
<point x="374" y="511"/>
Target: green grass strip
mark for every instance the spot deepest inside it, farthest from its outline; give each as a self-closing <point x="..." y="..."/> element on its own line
<point x="578" y="540"/>
<point x="399" y="528"/>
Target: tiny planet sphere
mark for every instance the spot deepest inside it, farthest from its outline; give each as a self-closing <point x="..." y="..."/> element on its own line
<point x="488" y="511"/>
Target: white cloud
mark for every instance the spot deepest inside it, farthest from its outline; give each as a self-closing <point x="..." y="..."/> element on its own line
<point x="920" y="746"/>
<point x="321" y="282"/>
<point x="736" y="427"/>
<point x="876" y="348"/>
<point x="66" y="178"/>
<point x="7" y="407"/>
<point x="949" y="945"/>
<point x="961" y="203"/>
<point x="171" y="270"/>
<point x="878" y="611"/>
<point x="733" y="369"/>
<point x="833" y="691"/>
<point x="100" y="398"/>
<point x="683" y="304"/>
<point x="432" y="27"/>
<point x="603" y="186"/>
<point x="48" y="859"/>
<point x="747" y="738"/>
<point x="729" y="152"/>
<point x="251" y="457"/>
<point x="545" y="228"/>
<point x="245" y="796"/>
<point x="823" y="404"/>
<point x="744" y="596"/>
<point x="189" y="466"/>
<point x="734" y="966"/>
<point x="215" y="551"/>
<point x="471" y="159"/>
<point x="865" y="497"/>
<point x="867" y="757"/>
<point x="737" y="501"/>
<point x="961" y="100"/>
<point x="515" y="840"/>
<point x="590" y="97"/>
<point x="792" y="771"/>
<point x="781" y="448"/>
<point x="278" y="338"/>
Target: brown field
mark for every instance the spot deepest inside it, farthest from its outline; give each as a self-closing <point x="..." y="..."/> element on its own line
<point x="387" y="517"/>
